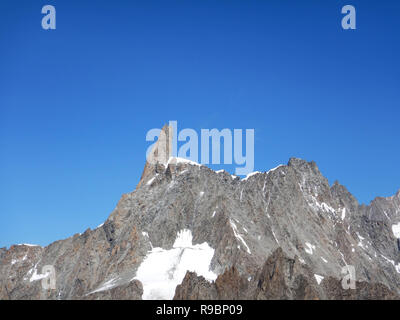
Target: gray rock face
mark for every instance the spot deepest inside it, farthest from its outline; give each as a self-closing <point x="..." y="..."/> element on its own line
<point x="132" y="290"/>
<point x="280" y="278"/>
<point x="245" y="221"/>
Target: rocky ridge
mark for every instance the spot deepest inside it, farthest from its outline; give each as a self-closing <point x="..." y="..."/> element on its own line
<point x="281" y="234"/>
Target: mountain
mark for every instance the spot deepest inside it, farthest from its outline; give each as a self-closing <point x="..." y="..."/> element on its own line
<point x="188" y="232"/>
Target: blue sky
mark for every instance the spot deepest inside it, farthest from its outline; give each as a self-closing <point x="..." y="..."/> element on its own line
<point x="76" y="102"/>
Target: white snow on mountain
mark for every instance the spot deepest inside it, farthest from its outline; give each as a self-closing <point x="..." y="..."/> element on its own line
<point x="162" y="270"/>
<point x="176" y="160"/>
<point x="14" y="261"/>
<point x="150" y="181"/>
<point x="310" y="248"/>
<point x="106" y="286"/>
<point x="396" y="230"/>
<point x="36" y="276"/>
<point x="250" y="175"/>
<point x="343" y="213"/>
<point x="258" y="172"/>
<point x="318" y="278"/>
<point x="238" y="236"/>
<point x="273" y="169"/>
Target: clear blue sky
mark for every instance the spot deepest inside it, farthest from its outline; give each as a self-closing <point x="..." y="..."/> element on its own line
<point x="76" y="102"/>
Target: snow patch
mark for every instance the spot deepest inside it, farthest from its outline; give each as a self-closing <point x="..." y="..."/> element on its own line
<point x="28" y="245"/>
<point x="360" y="243"/>
<point x="273" y="169"/>
<point x="176" y="160"/>
<point x="396" y="230"/>
<point x="310" y="248"/>
<point x="106" y="285"/>
<point x="273" y="233"/>
<point x="318" y="278"/>
<point x="397" y="267"/>
<point x="150" y="181"/>
<point x="162" y="270"/>
<point x="14" y="261"/>
<point x="360" y="237"/>
<point x="316" y="205"/>
<point x="326" y="207"/>
<point x="36" y="276"/>
<point x="258" y="172"/>
<point x="250" y="175"/>
<point x="238" y="236"/>
<point x="343" y="213"/>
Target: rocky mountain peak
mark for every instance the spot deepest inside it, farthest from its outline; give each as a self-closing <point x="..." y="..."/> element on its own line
<point x="303" y="165"/>
<point x="284" y="233"/>
<point x="158" y="157"/>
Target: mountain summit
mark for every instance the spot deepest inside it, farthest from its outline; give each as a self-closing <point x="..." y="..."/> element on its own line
<point x="188" y="232"/>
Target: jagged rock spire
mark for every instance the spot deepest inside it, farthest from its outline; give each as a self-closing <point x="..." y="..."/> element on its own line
<point x="158" y="157"/>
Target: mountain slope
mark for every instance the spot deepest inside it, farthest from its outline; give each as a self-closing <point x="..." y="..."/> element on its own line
<point x="243" y="221"/>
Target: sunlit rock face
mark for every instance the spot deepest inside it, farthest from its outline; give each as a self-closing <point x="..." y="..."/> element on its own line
<point x="187" y="224"/>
